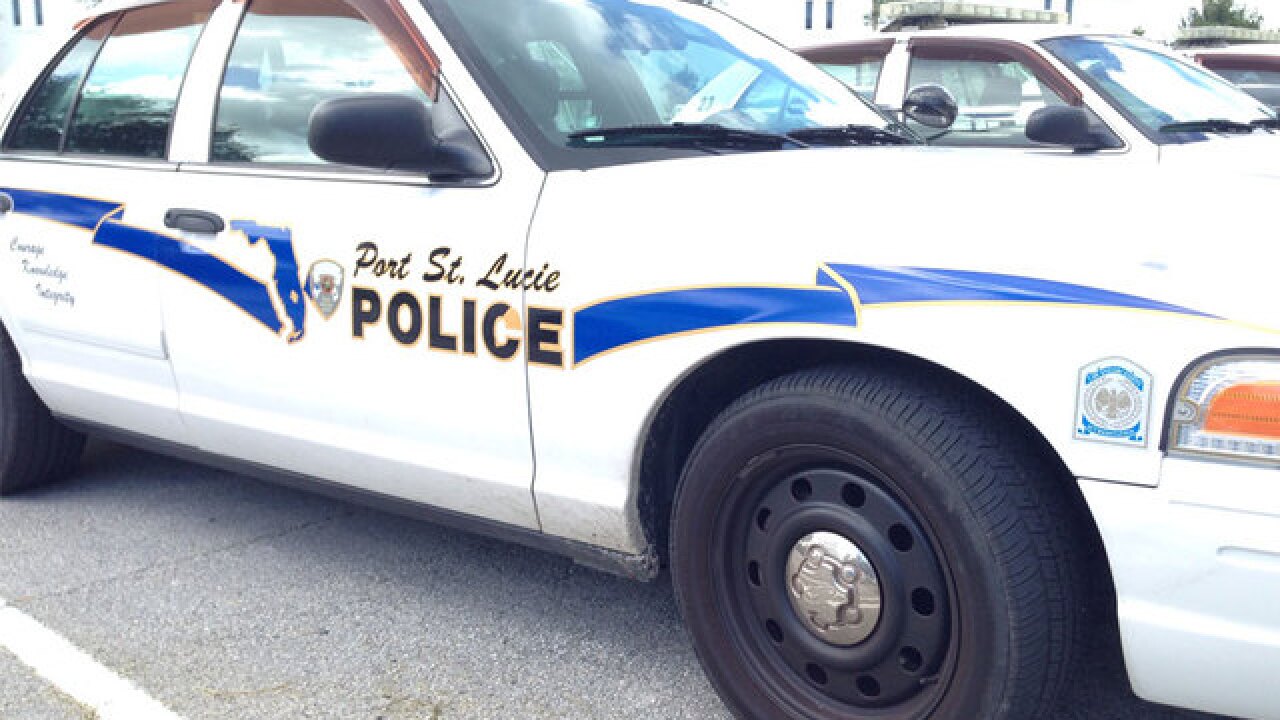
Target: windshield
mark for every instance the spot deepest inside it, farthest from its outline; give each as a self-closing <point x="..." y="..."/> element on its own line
<point x="1153" y="88"/>
<point x="559" y="68"/>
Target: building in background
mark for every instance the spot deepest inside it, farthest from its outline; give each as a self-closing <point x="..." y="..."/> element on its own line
<point x="22" y="23"/>
<point x="801" y="22"/>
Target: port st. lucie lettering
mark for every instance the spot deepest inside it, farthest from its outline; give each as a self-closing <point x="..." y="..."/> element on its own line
<point x="453" y="322"/>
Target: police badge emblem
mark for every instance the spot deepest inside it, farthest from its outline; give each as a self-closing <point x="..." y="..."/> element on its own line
<point x="1113" y="400"/>
<point x="324" y="286"/>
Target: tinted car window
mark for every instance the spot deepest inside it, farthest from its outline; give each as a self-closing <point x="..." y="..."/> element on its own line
<point x="127" y="103"/>
<point x="287" y="58"/>
<point x="43" y="123"/>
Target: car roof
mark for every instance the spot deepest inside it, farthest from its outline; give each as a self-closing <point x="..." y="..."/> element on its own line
<point x="1016" y="32"/>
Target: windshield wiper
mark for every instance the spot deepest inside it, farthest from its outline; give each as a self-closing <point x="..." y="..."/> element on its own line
<point x="850" y="135"/>
<point x="1218" y="125"/>
<point x="702" y="136"/>
<point x="1266" y="122"/>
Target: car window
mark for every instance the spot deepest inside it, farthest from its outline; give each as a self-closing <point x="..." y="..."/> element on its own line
<point x="289" y="57"/>
<point x="857" y="64"/>
<point x="862" y="75"/>
<point x="1252" y="76"/>
<point x="43" y="123"/>
<point x="1261" y="83"/>
<point x="115" y="91"/>
<point x="636" y="65"/>
<point x="673" y="77"/>
<point x="127" y="103"/>
<point x="575" y="110"/>
<point x="996" y="96"/>
<point x="1154" y="88"/>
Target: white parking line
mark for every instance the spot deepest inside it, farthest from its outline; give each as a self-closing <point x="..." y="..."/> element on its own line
<point x="73" y="672"/>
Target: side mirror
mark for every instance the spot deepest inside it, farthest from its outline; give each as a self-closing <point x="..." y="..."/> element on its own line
<point x="385" y="132"/>
<point x="931" y="105"/>
<point x="1070" y="126"/>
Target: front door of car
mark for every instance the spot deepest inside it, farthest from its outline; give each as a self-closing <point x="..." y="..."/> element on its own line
<point x="82" y="165"/>
<point x="343" y="323"/>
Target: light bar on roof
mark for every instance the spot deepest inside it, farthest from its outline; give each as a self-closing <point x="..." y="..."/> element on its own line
<point x="1228" y="34"/>
<point x="968" y="11"/>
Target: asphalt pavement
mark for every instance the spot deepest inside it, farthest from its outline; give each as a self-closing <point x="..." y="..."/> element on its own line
<point x="226" y="597"/>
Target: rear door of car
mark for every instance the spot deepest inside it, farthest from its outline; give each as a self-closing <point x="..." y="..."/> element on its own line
<point x="84" y="162"/>
<point x="347" y="324"/>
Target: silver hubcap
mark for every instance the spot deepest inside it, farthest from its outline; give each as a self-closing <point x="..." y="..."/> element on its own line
<point x="833" y="588"/>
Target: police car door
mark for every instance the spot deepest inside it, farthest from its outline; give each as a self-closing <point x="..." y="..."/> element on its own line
<point x="334" y="321"/>
<point x="80" y="165"/>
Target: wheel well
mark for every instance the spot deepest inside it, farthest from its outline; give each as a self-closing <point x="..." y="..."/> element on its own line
<point x="710" y="388"/>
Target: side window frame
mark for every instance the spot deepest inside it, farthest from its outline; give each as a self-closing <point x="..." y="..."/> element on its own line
<point x="855" y="52"/>
<point x="22" y="107"/>
<point x="177" y="99"/>
<point x="419" y="61"/>
<point x="113" y="19"/>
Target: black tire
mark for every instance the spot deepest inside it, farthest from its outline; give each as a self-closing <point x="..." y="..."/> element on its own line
<point x="966" y="526"/>
<point x="34" y="447"/>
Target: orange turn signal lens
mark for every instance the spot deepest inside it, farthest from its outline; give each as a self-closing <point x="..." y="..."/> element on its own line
<point x="1250" y="409"/>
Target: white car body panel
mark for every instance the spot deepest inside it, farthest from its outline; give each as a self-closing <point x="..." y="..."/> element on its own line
<point x="1197" y="605"/>
<point x="1022" y="289"/>
<point x="773" y="254"/>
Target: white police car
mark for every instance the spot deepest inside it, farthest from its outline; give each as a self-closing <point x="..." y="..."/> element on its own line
<point x="1052" y="89"/>
<point x="877" y="406"/>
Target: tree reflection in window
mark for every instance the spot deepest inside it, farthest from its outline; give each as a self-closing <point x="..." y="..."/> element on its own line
<point x="44" y="121"/>
<point x="126" y="106"/>
<point x="289" y="57"/>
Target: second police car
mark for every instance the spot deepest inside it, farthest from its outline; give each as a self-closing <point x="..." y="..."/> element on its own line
<point x="877" y="406"/>
<point x="1054" y="89"/>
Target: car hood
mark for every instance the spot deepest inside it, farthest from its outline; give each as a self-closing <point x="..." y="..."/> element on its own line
<point x="1157" y="234"/>
<point x="1257" y="153"/>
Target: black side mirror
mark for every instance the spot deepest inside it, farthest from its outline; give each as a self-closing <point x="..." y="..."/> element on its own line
<point x="931" y="105"/>
<point x="385" y="132"/>
<point x="1070" y="126"/>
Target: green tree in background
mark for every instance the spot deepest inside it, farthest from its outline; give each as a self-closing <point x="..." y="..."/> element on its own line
<point x="1222" y="12"/>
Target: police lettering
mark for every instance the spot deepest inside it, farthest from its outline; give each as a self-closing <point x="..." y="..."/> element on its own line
<point x="498" y="327"/>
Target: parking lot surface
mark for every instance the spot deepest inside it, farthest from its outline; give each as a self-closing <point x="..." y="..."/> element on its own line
<point x="224" y="597"/>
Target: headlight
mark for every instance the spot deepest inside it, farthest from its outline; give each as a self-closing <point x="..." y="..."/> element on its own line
<point x="1228" y="406"/>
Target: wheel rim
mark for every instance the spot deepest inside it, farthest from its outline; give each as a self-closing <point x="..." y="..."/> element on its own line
<point x="873" y="641"/>
<point x="833" y="588"/>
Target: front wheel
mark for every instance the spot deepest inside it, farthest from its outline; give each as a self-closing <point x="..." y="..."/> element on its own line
<point x="852" y="544"/>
